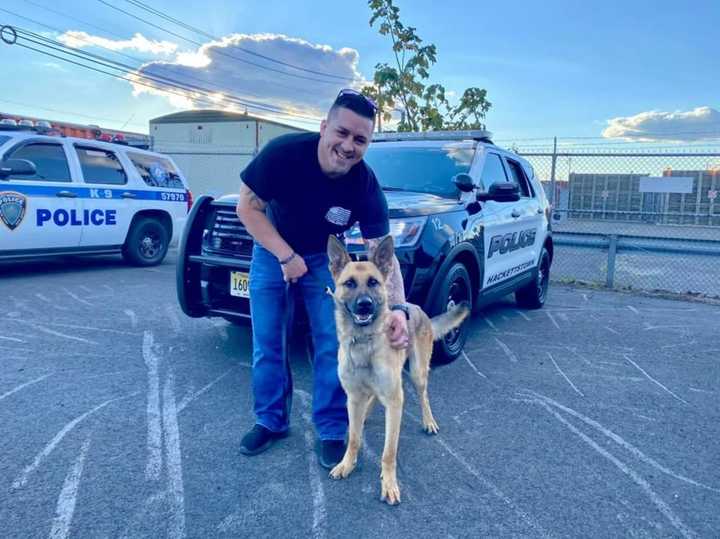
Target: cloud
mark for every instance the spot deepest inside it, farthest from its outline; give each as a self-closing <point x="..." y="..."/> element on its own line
<point x="236" y="77"/>
<point x="701" y="123"/>
<point x="138" y="43"/>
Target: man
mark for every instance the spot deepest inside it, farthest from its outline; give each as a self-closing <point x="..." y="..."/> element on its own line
<point x="296" y="192"/>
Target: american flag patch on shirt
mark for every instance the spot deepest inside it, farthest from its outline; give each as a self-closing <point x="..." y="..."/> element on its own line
<point x="338" y="216"/>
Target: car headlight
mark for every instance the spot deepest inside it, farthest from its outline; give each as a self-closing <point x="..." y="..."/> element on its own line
<point x="405" y="231"/>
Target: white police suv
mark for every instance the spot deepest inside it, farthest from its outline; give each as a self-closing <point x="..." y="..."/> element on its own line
<point x="68" y="196"/>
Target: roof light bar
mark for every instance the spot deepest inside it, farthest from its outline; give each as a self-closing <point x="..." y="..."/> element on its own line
<point x="471" y="134"/>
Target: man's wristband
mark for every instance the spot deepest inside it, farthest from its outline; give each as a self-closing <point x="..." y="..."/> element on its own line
<point x="287" y="259"/>
<point x="401" y="307"/>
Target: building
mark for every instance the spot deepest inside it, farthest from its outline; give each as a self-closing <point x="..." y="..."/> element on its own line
<point x="211" y="147"/>
<point x="619" y="197"/>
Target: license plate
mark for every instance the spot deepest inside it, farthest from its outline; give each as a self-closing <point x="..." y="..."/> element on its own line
<point x="239" y="284"/>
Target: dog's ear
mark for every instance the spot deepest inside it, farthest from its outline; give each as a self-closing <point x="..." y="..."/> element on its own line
<point x="337" y="254"/>
<point x="383" y="254"/>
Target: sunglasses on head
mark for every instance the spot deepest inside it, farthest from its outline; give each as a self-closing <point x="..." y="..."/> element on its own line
<point x="349" y="92"/>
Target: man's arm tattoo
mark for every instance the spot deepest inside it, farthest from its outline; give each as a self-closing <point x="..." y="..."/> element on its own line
<point x="248" y="196"/>
<point x="394" y="284"/>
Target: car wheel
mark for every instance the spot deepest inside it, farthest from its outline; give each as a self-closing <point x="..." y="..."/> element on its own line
<point x="454" y="288"/>
<point x="533" y="295"/>
<point x="146" y="243"/>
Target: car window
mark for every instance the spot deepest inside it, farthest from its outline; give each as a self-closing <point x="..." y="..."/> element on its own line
<point x="100" y="166"/>
<point x="518" y="176"/>
<point x="493" y="170"/>
<point x="425" y="170"/>
<point x="3" y="139"/>
<point x="156" y="171"/>
<point x="49" y="159"/>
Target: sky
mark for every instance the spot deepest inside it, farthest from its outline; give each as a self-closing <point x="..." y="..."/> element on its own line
<point x="633" y="70"/>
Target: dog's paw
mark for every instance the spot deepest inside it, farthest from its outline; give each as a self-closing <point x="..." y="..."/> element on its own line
<point x="430" y="427"/>
<point x="390" y="491"/>
<point x="342" y="470"/>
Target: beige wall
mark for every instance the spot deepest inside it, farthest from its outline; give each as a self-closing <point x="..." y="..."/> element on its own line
<point x="211" y="158"/>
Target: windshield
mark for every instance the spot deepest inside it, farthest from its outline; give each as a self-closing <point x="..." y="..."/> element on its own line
<point x="421" y="169"/>
<point x="3" y="139"/>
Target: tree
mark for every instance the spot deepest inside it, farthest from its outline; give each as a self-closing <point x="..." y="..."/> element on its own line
<point x="402" y="88"/>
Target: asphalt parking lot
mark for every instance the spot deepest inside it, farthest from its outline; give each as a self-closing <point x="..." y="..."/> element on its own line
<point x="596" y="416"/>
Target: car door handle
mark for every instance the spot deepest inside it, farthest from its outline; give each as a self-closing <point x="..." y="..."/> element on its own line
<point x="66" y="194"/>
<point x="127" y="194"/>
<point x="540" y="211"/>
<point x="515" y="214"/>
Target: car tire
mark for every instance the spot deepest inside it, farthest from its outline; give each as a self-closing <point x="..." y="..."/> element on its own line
<point x="533" y="295"/>
<point x="146" y="243"/>
<point x="455" y="287"/>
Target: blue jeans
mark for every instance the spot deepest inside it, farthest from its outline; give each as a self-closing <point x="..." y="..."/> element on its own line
<point x="271" y="378"/>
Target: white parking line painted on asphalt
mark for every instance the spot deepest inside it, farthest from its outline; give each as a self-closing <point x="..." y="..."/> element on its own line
<point x="54" y="304"/>
<point x="187" y="400"/>
<point x="18" y="388"/>
<point x="663" y="507"/>
<point x="620" y="441"/>
<point x="77" y="298"/>
<point x="489" y="323"/>
<point x="154" y="432"/>
<point x="319" y="524"/>
<point x="173" y="460"/>
<point x="133" y="317"/>
<point x="22" y="479"/>
<point x="526" y="317"/>
<point x="633" y="309"/>
<point x="43" y="329"/>
<point x="492" y="487"/>
<point x="473" y="366"/>
<point x="611" y="330"/>
<point x="552" y="319"/>
<point x="509" y="353"/>
<point x="698" y="390"/>
<point x="68" y="496"/>
<point x="564" y="375"/>
<point x="220" y="326"/>
<point x="12" y="339"/>
<point x="173" y="318"/>
<point x="653" y="380"/>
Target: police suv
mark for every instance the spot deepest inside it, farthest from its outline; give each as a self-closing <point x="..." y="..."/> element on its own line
<point x="67" y="196"/>
<point x="470" y="223"/>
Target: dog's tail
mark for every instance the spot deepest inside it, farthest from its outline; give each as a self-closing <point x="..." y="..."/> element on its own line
<point x="446" y="322"/>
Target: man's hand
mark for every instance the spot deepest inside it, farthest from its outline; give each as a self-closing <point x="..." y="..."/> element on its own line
<point x="294" y="269"/>
<point x="397" y="329"/>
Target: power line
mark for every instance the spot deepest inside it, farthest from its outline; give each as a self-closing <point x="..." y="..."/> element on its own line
<point x="182" y="24"/>
<point x="224" y="90"/>
<point x="200" y="98"/>
<point x="55" y="29"/>
<point x="217" y="50"/>
<point x="157" y="79"/>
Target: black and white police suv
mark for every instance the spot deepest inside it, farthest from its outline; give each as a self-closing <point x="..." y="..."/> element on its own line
<point x="69" y="196"/>
<point x="470" y="223"/>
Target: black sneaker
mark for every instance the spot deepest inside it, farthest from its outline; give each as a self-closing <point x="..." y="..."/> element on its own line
<point x="258" y="439"/>
<point x="331" y="453"/>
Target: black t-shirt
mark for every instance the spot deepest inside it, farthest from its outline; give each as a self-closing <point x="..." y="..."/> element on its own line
<point x="304" y="204"/>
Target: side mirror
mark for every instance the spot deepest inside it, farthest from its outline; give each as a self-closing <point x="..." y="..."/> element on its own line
<point x="13" y="167"/>
<point x="501" y="192"/>
<point x="463" y="182"/>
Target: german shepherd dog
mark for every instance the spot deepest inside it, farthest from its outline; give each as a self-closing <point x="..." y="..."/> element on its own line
<point x="369" y="368"/>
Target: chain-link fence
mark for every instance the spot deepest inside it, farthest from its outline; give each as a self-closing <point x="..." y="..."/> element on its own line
<point x="641" y="219"/>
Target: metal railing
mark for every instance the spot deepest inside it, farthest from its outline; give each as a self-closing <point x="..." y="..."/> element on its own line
<point x="609" y="231"/>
